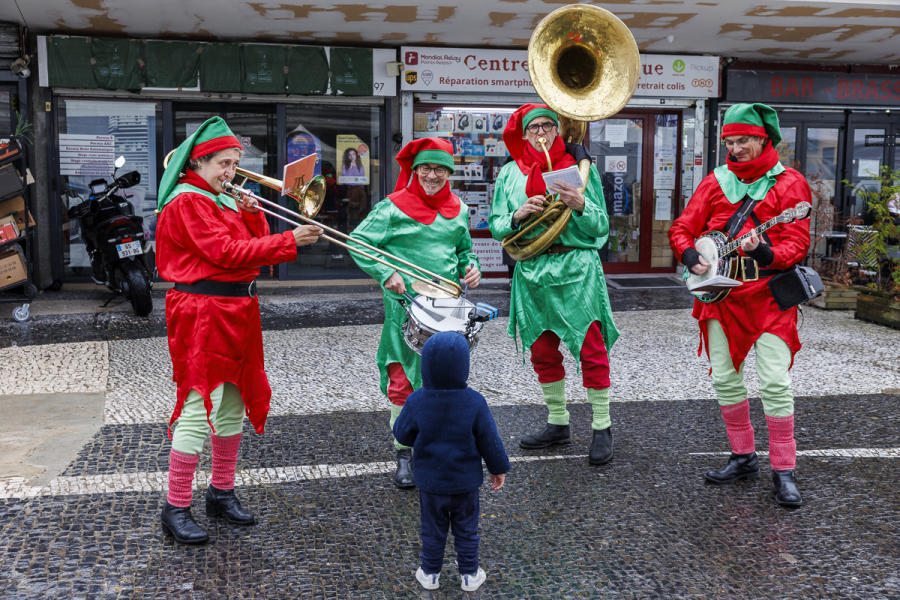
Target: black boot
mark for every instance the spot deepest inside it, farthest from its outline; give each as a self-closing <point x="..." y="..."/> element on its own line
<point x="179" y="523"/>
<point x="740" y="466"/>
<point x="404" y="476"/>
<point x="601" y="447"/>
<point x="549" y="435"/>
<point x="786" y="492"/>
<point x="224" y="503"/>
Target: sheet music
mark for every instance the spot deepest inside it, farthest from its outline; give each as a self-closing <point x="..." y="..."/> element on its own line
<point x="714" y="284"/>
<point x="569" y="176"/>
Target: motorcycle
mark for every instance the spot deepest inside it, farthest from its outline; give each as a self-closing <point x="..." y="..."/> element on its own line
<point x="114" y="238"/>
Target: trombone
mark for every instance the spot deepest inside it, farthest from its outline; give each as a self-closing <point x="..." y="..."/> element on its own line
<point x="310" y="197"/>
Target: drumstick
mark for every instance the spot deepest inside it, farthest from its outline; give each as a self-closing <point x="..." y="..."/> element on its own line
<point x="431" y="314"/>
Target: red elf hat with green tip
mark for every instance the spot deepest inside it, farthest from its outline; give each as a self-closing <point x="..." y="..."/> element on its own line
<point x="752" y="119"/>
<point x="434" y="151"/>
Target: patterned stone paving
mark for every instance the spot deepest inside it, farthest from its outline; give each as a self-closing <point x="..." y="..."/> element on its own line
<point x="333" y="526"/>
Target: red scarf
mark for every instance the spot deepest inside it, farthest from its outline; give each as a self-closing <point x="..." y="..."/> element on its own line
<point x="421" y="207"/>
<point x="750" y="171"/>
<point x="533" y="163"/>
<point x="194" y="179"/>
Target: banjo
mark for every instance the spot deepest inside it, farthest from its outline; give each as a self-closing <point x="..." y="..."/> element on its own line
<point x="717" y="250"/>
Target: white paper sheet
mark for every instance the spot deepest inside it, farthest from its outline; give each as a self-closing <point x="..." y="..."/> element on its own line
<point x="569" y="176"/>
<point x="663" y="205"/>
<point x="869" y="168"/>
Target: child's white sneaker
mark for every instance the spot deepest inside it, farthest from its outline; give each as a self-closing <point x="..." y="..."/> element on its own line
<point x="472" y="582"/>
<point x="430" y="582"/>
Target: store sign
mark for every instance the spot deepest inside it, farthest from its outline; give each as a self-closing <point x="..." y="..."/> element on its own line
<point x="814" y="88"/>
<point x="506" y="71"/>
<point x="490" y="255"/>
<point x="90" y="155"/>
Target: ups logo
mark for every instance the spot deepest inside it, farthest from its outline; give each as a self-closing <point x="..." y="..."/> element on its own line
<point x="412" y="77"/>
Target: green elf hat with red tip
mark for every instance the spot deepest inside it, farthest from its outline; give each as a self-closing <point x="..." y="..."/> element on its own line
<point x="212" y="136"/>
<point x="434" y="151"/>
<point x="752" y="119"/>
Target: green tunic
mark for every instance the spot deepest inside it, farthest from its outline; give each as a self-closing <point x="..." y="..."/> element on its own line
<point x="563" y="293"/>
<point x="444" y="247"/>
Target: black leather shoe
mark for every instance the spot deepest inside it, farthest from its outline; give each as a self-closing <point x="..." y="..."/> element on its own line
<point x="549" y="435"/>
<point x="601" y="447"/>
<point x="179" y="523"/>
<point x="786" y="492"/>
<point x="225" y="504"/>
<point x="740" y="466"/>
<point x="404" y="476"/>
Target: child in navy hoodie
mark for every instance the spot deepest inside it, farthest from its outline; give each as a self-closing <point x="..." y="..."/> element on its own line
<point x="450" y="429"/>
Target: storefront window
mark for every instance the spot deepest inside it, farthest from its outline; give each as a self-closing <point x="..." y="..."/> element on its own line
<point x="617" y="147"/>
<point x="347" y="140"/>
<point x="821" y="156"/>
<point x="787" y="148"/>
<point x="92" y="133"/>
<point x="6" y="115"/>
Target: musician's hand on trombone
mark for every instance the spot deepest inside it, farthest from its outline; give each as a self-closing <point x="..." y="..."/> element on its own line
<point x="249" y="204"/>
<point x="535" y="204"/>
<point x="570" y="196"/>
<point x="395" y="284"/>
<point x="473" y="277"/>
<point x="750" y="244"/>
<point x="307" y="234"/>
<point x="700" y="269"/>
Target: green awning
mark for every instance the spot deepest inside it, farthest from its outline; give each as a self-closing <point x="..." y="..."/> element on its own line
<point x="351" y="71"/>
<point x="172" y="64"/>
<point x="264" y="68"/>
<point x="69" y="62"/>
<point x="220" y="68"/>
<point x="117" y="64"/>
<point x="307" y="70"/>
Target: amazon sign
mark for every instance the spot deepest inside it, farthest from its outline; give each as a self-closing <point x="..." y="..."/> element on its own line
<point x="813" y="88"/>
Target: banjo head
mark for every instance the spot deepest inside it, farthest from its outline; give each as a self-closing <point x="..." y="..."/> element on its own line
<point x="709" y="245"/>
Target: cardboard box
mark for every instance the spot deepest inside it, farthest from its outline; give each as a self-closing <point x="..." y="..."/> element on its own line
<point x="12" y="267"/>
<point x="661" y="225"/>
<point x="15" y="207"/>
<point x="661" y="262"/>
<point x="660" y="238"/>
<point x="8" y="229"/>
<point x="661" y="251"/>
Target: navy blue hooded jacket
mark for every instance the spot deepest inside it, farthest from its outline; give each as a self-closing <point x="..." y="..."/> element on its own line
<point x="449" y="425"/>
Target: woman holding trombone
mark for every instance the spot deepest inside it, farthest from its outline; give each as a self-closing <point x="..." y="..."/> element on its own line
<point x="423" y="221"/>
<point x="212" y="246"/>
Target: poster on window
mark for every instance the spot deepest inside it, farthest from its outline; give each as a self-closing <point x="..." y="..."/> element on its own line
<point x="354" y="157"/>
<point x="302" y="143"/>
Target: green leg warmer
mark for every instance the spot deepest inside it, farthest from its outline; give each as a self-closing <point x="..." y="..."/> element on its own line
<point x="555" y="397"/>
<point x="599" y="400"/>
<point x="395" y="412"/>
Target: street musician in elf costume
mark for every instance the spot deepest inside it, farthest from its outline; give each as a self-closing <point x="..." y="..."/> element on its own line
<point x="422" y="222"/>
<point x="212" y="246"/>
<point x="559" y="295"/>
<point x="748" y="316"/>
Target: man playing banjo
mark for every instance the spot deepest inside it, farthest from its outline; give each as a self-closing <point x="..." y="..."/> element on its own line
<point x="751" y="187"/>
<point x="421" y="222"/>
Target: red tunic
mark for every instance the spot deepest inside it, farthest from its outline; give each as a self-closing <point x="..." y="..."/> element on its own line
<point x="749" y="310"/>
<point x="213" y="340"/>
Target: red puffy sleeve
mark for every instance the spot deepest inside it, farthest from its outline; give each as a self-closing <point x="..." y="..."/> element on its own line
<point x="790" y="242"/>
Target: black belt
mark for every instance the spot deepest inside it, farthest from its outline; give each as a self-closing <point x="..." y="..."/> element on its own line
<point x="559" y="249"/>
<point x="748" y="270"/>
<point x="227" y="289"/>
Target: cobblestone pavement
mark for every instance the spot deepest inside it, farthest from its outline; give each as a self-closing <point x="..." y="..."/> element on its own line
<point x="333" y="526"/>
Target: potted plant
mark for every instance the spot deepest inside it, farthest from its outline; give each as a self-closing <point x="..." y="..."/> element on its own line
<point x="879" y="301"/>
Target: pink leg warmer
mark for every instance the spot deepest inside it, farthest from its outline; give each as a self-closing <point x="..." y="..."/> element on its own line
<point x="224" y="460"/>
<point x="181" y="477"/>
<point x="782" y="446"/>
<point x="738" y="427"/>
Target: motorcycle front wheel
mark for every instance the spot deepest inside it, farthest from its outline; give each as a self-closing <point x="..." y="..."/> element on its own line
<point x="135" y="285"/>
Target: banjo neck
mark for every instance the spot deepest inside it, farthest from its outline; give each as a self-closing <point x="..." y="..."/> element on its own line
<point x="734" y="244"/>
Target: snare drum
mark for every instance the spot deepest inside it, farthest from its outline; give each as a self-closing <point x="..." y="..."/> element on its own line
<point x="437" y="315"/>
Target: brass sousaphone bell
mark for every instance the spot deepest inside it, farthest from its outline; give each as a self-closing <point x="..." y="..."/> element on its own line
<point x="585" y="65"/>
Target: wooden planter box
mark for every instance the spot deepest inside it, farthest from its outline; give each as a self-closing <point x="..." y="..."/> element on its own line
<point x="877" y="307"/>
<point x="836" y="297"/>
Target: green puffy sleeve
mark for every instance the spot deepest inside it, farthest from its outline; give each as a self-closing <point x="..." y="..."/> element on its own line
<point x="504" y="204"/>
<point x="593" y="221"/>
<point x="375" y="230"/>
<point x="464" y="253"/>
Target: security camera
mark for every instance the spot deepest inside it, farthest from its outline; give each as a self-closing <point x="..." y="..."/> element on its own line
<point x="20" y="67"/>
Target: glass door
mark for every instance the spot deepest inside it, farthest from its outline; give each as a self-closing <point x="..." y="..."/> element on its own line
<point x="868" y="153"/>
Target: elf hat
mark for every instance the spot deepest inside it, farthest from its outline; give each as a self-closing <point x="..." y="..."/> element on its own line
<point x="752" y="119"/>
<point x="435" y="151"/>
<point x="515" y="127"/>
<point x="212" y="136"/>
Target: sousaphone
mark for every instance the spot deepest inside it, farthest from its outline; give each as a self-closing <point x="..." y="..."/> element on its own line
<point x="585" y="65"/>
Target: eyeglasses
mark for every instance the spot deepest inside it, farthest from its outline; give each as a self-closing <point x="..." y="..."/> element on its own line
<point x="439" y="171"/>
<point x="742" y="142"/>
<point x="547" y="126"/>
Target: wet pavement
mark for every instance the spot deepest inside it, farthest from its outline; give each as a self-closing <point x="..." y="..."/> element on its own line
<point x="332" y="525"/>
